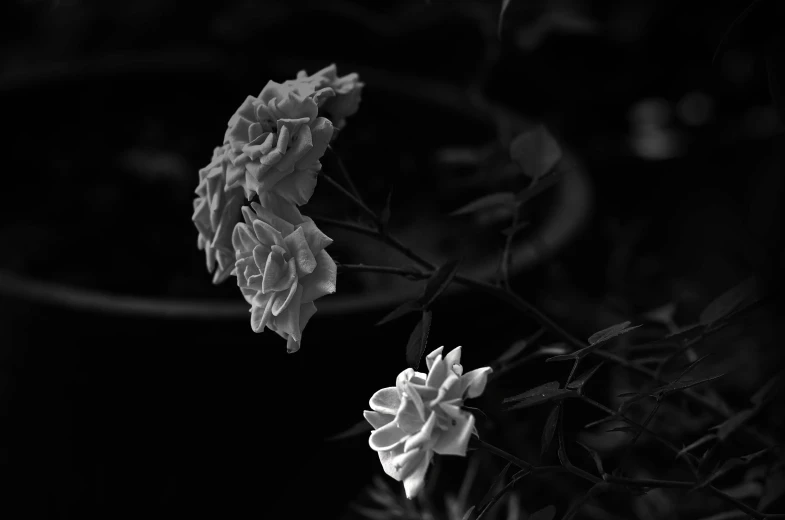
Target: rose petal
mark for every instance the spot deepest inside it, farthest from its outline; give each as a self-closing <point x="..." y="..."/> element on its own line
<point x="430" y="357"/>
<point x="301" y="144"/>
<point x="322" y="280"/>
<point x="437" y="373"/>
<point x="274" y="219"/>
<point x="278" y="274"/>
<point x="288" y="321"/>
<point x="316" y="239"/>
<point x="453" y="358"/>
<point x="307" y="310"/>
<point x="408" y="417"/>
<point x="386" y="437"/>
<point x="376" y="419"/>
<point x="301" y="253"/>
<point x="386" y="401"/>
<point x="449" y="389"/>
<point x="285" y="210"/>
<point x="421" y="438"/>
<point x="414" y="482"/>
<point x="243" y="238"/>
<point x="386" y="458"/>
<point x="455" y="439"/>
<point x="297" y="187"/>
<point x="282" y="300"/>
<point x="320" y="133"/>
<point x="412" y="393"/>
<point x="260" y="316"/>
<point x="473" y="383"/>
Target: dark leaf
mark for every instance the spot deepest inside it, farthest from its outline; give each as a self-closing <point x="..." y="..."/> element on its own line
<point x="629" y="399"/>
<point x="597" y="339"/>
<point x="741" y="295"/>
<point x="519" y="346"/>
<point x="418" y="340"/>
<point x="402" y="310"/>
<point x="540" y="186"/>
<point x="765" y="392"/>
<point x="572" y="356"/>
<point x="493" y="200"/>
<point x="710" y="460"/>
<point x="596" y="457"/>
<point x="549" y="429"/>
<point x="623" y="429"/>
<point x="700" y="442"/>
<point x="691" y="366"/>
<point x="361" y="427"/>
<point x="686" y="333"/>
<point x="468" y="513"/>
<point x="438" y="282"/>
<point x="733" y="423"/>
<point x="562" y="452"/>
<point x="542" y="394"/>
<point x="546" y="513"/>
<point x="578" y="505"/>
<point x="611" y="332"/>
<point x="497" y="481"/>
<point x="680" y="385"/>
<point x="578" y="383"/>
<point x="511" y="230"/>
<point x="730" y="464"/>
<point x="536" y="151"/>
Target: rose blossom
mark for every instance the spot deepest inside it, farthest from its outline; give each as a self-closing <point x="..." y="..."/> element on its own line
<point x="282" y="266"/>
<point x="422" y="415"/>
<point x="347" y="92"/>
<point x="276" y="141"/>
<point x="215" y="213"/>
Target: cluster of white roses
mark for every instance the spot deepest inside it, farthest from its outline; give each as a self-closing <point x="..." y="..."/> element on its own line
<point x="271" y="150"/>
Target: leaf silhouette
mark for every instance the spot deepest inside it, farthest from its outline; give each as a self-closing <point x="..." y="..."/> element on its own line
<point x="492" y="200"/>
<point x="549" y="429"/>
<point x="438" y="282"/>
<point x="401" y="310"/>
<point x="542" y="394"/>
<point x="610" y="332"/>
<point x="358" y="428"/>
<point x="536" y="151"/>
<point x="744" y="293"/>
<point x="578" y="383"/>
<point x="595" y="456"/>
<point x="418" y="340"/>
<point x="497" y="480"/>
<point x="596" y="340"/>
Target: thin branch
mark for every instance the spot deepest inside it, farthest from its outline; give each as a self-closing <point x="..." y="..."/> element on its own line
<point x="648" y="482"/>
<point x="345" y="173"/>
<point x="362" y="268"/>
<point x="505" y="259"/>
<point x="357" y="202"/>
<point x="638" y="433"/>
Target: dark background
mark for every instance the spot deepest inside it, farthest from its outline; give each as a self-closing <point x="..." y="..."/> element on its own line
<point x="110" y="109"/>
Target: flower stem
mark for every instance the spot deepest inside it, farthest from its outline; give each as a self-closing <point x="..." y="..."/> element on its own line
<point x="346" y="193"/>
<point x="345" y="174"/>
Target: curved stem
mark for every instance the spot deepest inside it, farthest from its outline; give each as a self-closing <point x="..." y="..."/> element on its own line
<point x="383" y="269"/>
<point x="345" y="174"/>
<point x="358" y="202"/>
